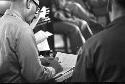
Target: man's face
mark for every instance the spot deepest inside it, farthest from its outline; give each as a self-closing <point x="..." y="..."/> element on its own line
<point x="32" y="11"/>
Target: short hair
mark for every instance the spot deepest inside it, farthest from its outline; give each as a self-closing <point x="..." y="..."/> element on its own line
<point x="121" y="3"/>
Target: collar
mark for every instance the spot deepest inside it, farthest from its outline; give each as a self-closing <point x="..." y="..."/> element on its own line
<point x="14" y="14"/>
<point x="116" y="21"/>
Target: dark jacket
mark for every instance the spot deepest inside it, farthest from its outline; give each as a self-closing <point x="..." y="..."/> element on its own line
<point x="102" y="58"/>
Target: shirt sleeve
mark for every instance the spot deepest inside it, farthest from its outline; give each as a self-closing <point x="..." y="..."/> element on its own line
<point x="31" y="68"/>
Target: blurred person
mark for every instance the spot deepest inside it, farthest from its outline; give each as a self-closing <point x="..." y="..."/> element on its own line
<point x="67" y="28"/>
<point x="82" y="14"/>
<point x="64" y="14"/>
<point x="72" y="32"/>
<point x="75" y="9"/>
<point x="19" y="60"/>
<point x="102" y="58"/>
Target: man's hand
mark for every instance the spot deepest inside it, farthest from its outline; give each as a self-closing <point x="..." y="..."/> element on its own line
<point x="41" y="15"/>
<point x="44" y="12"/>
<point x="51" y="62"/>
<point x="55" y="64"/>
<point x="44" y="61"/>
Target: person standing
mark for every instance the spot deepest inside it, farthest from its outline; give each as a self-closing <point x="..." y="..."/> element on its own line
<point x="19" y="60"/>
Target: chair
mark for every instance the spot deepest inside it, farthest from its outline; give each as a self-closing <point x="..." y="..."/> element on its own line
<point x="61" y="43"/>
<point x="67" y="31"/>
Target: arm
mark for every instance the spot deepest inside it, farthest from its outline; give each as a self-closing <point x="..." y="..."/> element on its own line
<point x="31" y="68"/>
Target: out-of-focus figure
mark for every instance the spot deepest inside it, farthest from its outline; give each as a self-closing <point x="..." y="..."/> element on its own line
<point x="63" y="25"/>
<point x="101" y="59"/>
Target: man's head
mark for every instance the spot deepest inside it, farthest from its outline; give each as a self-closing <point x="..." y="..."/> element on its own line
<point x="27" y="8"/>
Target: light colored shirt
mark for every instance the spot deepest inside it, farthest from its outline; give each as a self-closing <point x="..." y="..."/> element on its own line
<point x="19" y="60"/>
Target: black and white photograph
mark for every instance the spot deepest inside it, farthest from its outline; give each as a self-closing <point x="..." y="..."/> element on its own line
<point x="68" y="41"/>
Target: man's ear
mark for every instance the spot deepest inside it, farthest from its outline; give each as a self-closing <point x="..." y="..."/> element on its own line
<point x="28" y="3"/>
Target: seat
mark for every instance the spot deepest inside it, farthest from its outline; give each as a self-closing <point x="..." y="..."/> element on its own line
<point x="61" y="43"/>
<point x="70" y="35"/>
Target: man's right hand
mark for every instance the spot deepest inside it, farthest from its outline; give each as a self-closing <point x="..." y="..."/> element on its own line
<point x="55" y="64"/>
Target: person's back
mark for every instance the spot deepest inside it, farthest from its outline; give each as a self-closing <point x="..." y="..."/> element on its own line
<point x="102" y="57"/>
<point x="110" y="64"/>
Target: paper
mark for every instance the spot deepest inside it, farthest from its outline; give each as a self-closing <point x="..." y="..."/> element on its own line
<point x="48" y="33"/>
<point x="40" y="36"/>
<point x="66" y="60"/>
<point x="43" y="46"/>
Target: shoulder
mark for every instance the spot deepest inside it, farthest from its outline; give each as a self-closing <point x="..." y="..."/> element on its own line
<point x="93" y="46"/>
<point x="16" y="26"/>
<point x="9" y="24"/>
<point x="98" y="40"/>
<point x="10" y="20"/>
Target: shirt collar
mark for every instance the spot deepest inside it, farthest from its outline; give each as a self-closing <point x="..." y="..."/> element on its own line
<point x="117" y="21"/>
<point x="14" y="14"/>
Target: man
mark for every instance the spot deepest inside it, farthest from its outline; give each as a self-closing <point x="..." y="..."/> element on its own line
<point x="77" y="10"/>
<point x="102" y="58"/>
<point x="83" y="14"/>
<point x="83" y="26"/>
<point x="74" y="13"/>
<point x="19" y="61"/>
<point x="62" y="26"/>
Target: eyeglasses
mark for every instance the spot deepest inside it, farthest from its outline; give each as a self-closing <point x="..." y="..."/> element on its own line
<point x="38" y="7"/>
